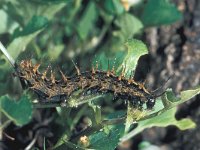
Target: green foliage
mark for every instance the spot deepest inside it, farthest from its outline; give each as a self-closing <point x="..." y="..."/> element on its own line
<point x="102" y="140"/>
<point x="19" y="112"/>
<point x="87" y="21"/>
<point x="165" y="116"/>
<point x="32" y="25"/>
<point x="56" y="31"/>
<point x="107" y="137"/>
<point x="136" y="49"/>
<point x="129" y="25"/>
<point x="114" y="7"/>
<point x="5" y="25"/>
<point x="160" y="12"/>
<point x="126" y="59"/>
<point x="35" y="24"/>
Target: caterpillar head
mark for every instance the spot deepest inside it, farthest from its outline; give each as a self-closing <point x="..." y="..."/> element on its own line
<point x="150" y="102"/>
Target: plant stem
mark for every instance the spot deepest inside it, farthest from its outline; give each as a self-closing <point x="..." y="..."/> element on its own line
<point x="5" y="52"/>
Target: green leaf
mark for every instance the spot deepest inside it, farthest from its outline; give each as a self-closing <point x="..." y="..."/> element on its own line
<point x="35" y="24"/>
<point x="136" y="48"/>
<point x="108" y="137"/>
<point x="120" y="59"/>
<point x="23" y="13"/>
<point x="109" y="141"/>
<point x="186" y="95"/>
<point x="165" y="116"/>
<point x="13" y="12"/>
<point x="111" y="60"/>
<point x="15" y="8"/>
<point x="129" y="25"/>
<point x="7" y="24"/>
<point x="18" y="44"/>
<point x="87" y="21"/>
<point x="114" y="7"/>
<point x="19" y="112"/>
<point x="163" y="119"/>
<point x="159" y="12"/>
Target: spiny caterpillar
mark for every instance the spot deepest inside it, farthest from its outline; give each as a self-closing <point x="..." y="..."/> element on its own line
<point x="90" y="82"/>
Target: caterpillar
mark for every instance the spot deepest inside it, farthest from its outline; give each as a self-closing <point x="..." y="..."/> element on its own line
<point x="49" y="89"/>
<point x="90" y="82"/>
